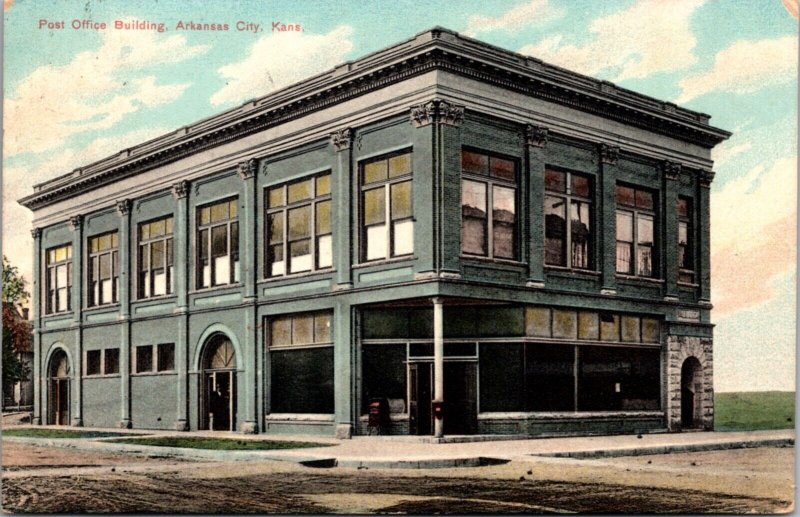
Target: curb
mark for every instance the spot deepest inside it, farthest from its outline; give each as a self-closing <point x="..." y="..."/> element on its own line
<point x="669" y="449"/>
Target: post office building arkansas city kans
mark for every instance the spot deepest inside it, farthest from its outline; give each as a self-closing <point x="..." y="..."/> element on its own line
<point x="441" y="237"/>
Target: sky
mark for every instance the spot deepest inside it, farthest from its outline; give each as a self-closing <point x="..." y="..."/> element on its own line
<point x="76" y="95"/>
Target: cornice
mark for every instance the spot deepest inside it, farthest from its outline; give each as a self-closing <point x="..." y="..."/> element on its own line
<point x="435" y="49"/>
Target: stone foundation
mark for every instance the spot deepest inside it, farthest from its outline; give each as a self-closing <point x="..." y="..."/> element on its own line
<point x="679" y="349"/>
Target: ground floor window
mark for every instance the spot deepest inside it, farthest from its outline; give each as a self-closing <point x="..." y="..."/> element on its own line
<point x="384" y="376"/>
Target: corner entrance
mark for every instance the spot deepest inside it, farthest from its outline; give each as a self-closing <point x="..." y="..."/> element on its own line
<point x="460" y="389"/>
<point x="691" y="393"/>
<point x="58" y="392"/>
<point x="218" y="401"/>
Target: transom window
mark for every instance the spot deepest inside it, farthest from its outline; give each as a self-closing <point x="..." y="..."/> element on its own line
<point x="217" y="244"/>
<point x="59" y="279"/>
<point x="568" y="225"/>
<point x="299" y="226"/>
<point x="308" y="328"/>
<point x="635" y="232"/>
<point x="488" y="181"/>
<point x="387" y="216"/>
<point x="685" y="241"/>
<point x="155" y="258"/>
<point x="103" y="269"/>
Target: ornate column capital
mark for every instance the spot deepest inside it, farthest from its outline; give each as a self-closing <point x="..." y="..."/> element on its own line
<point x="124" y="207"/>
<point x="76" y="222"/>
<point x="180" y="189"/>
<point x="609" y="154"/>
<point x="437" y="111"/>
<point x="706" y="177"/>
<point x="536" y="136"/>
<point x="247" y="169"/>
<point x="672" y="170"/>
<point x="342" y="139"/>
<point x="36" y="233"/>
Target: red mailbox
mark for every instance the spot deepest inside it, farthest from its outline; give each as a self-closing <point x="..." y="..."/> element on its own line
<point x="437" y="408"/>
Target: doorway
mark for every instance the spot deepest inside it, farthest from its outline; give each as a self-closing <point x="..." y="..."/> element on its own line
<point x="218" y="401"/>
<point x="58" y="389"/>
<point x="691" y="390"/>
<point x="460" y="389"/>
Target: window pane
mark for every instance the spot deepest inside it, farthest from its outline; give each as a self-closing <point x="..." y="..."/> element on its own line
<point x="144" y="358"/>
<point x="323" y="185"/>
<point x="625" y="196"/>
<point x="105" y="266"/>
<point x="644" y="199"/>
<point x="550" y="372"/>
<point x="159" y="282"/>
<point x="565" y="324"/>
<point x="61" y="254"/>
<point x="403" y="243"/>
<point x="300" y="191"/>
<point x="473" y="236"/>
<point x="324" y="251"/>
<point x="383" y="371"/>
<point x="63" y="300"/>
<point x="219" y="212"/>
<point x="375" y="171"/>
<point x="401" y="200"/>
<point x="503" y="169"/>
<point x="474" y="162"/>
<point x="300" y="256"/>
<point x="106" y="291"/>
<point x="650" y="330"/>
<point x="630" y="328"/>
<point x="588" y="325"/>
<point x="275" y="225"/>
<point x="114" y="240"/>
<point x="302" y="381"/>
<point x="624" y="226"/>
<point x="537" y="322"/>
<point x="609" y="327"/>
<point x="157" y="228"/>
<point x="473" y="199"/>
<point x="504" y="219"/>
<point x="302" y="329"/>
<point x="205" y="215"/>
<point x="202" y="253"/>
<point x="376" y="242"/>
<point x="374" y="206"/>
<point x="93" y="362"/>
<point x="683" y="233"/>
<point x="233" y="206"/>
<point x="61" y="276"/>
<point x="111" y="361"/>
<point x="300" y="222"/>
<point x="645" y="229"/>
<point x="555" y="224"/>
<point x="555" y="181"/>
<point x="624" y="257"/>
<point x="502" y="377"/>
<point x="580" y="185"/>
<point x="275" y="197"/>
<point x="399" y="165"/>
<point x="581" y="237"/>
<point x="166" y="357"/>
<point x="618" y="379"/>
<point x="683" y="207"/>
<point x="168" y="226"/>
<point x="473" y="217"/>
<point x="322" y="328"/>
<point x="222" y="270"/>
<point x="323" y="221"/>
<point x="280" y="330"/>
<point x="276" y="266"/>
<point x="157" y="254"/>
<point x="219" y="241"/>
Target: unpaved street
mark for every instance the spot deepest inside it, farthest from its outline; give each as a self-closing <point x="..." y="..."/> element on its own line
<point x="46" y="479"/>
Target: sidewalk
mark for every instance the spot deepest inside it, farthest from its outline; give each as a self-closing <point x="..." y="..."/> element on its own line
<point x="385" y="452"/>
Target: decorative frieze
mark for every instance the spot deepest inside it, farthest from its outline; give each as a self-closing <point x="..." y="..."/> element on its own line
<point x="124" y="207"/>
<point x="180" y="189"/>
<point x="247" y="170"/>
<point x="76" y="222"/>
<point x="609" y="154"/>
<point x="536" y="136"/>
<point x="342" y="140"/>
<point x="437" y="111"/>
<point x="672" y="170"/>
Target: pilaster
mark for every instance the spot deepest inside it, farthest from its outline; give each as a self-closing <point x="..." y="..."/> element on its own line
<point x="704" y="215"/>
<point x="124" y="211"/>
<point x="76" y="223"/>
<point x="343" y="360"/>
<point x="37" y="301"/>
<point x="609" y="156"/>
<point x="180" y="238"/>
<point x="343" y="183"/>
<point x="535" y="161"/>
<point x="248" y="243"/>
<point x="671" y="173"/>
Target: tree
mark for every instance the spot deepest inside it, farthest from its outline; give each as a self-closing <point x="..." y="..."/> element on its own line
<point x="16" y="332"/>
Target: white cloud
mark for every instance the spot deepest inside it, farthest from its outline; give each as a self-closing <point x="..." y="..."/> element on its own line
<point x="280" y="59"/>
<point x="649" y="37"/>
<point x="523" y="15"/>
<point x="723" y="153"/>
<point x="94" y="91"/>
<point x="744" y="67"/>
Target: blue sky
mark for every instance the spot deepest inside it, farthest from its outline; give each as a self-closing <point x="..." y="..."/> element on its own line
<point x="75" y="96"/>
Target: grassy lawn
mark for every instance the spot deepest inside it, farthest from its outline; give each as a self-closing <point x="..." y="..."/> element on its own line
<point x="225" y="444"/>
<point x="58" y="433"/>
<point x="751" y="411"/>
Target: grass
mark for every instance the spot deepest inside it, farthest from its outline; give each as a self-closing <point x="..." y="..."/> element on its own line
<point x="752" y="411"/>
<point x="223" y="444"/>
<point x="58" y="433"/>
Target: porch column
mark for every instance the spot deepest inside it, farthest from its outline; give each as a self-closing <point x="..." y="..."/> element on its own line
<point x="76" y="223"/>
<point x="124" y="211"/>
<point x="180" y="226"/>
<point x="37" y="301"/>
<point x="438" y="362"/>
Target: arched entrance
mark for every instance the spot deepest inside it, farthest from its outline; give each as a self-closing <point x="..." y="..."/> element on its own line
<point x="58" y="392"/>
<point x="218" y="401"/>
<point x="691" y="394"/>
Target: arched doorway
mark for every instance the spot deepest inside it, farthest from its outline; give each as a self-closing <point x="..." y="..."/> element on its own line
<point x="218" y="402"/>
<point x="58" y="404"/>
<point x="691" y="394"/>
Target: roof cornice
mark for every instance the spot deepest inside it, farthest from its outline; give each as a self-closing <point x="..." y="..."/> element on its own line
<point x="436" y="48"/>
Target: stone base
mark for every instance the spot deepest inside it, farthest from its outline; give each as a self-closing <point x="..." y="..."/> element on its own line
<point x="125" y="424"/>
<point x="608" y="292"/>
<point x="36" y="420"/>
<point x="535" y="284"/>
<point x="77" y="422"/>
<point x="181" y="425"/>
<point x="249" y="427"/>
<point x="344" y="431"/>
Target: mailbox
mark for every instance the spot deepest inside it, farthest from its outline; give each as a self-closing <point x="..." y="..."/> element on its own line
<point x="378" y="415"/>
<point x="437" y="408"/>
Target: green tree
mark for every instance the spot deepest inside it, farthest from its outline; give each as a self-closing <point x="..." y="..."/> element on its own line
<point x="16" y="332"/>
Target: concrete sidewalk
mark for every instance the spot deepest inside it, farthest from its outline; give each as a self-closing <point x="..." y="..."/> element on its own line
<point x="386" y="452"/>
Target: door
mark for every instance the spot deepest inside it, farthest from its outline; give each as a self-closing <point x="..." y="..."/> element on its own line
<point x="59" y="401"/>
<point x="420" y="381"/>
<point x="220" y="411"/>
<point x="460" y="395"/>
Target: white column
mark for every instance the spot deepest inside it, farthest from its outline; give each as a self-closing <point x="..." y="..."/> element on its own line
<point x="438" y="362"/>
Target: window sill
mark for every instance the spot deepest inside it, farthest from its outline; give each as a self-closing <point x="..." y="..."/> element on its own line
<point x="393" y="260"/>
<point x="109" y="376"/>
<point x="489" y="260"/>
<point x="98" y="308"/>
<point x="648" y="280"/>
<point x="159" y="298"/>
<point x="572" y="271"/>
<point x="557" y="415"/>
<point x="299" y="417"/>
<point x="394" y="417"/>
<point x="299" y="347"/>
<point x="295" y="276"/>
<point x="56" y="315"/>
<point x="154" y="374"/>
<point x="222" y="287"/>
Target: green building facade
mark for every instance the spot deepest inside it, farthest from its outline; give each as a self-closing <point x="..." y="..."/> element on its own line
<point x="440" y="221"/>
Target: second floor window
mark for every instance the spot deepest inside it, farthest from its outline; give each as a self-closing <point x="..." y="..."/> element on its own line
<point x="155" y="258"/>
<point x="59" y="279"/>
<point x="217" y="244"/>
<point x="636" y="251"/>
<point x="685" y="241"/>
<point x="299" y="226"/>
<point x="488" y="182"/>
<point x="567" y="214"/>
<point x="387" y="216"/>
<point x="103" y="269"/>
